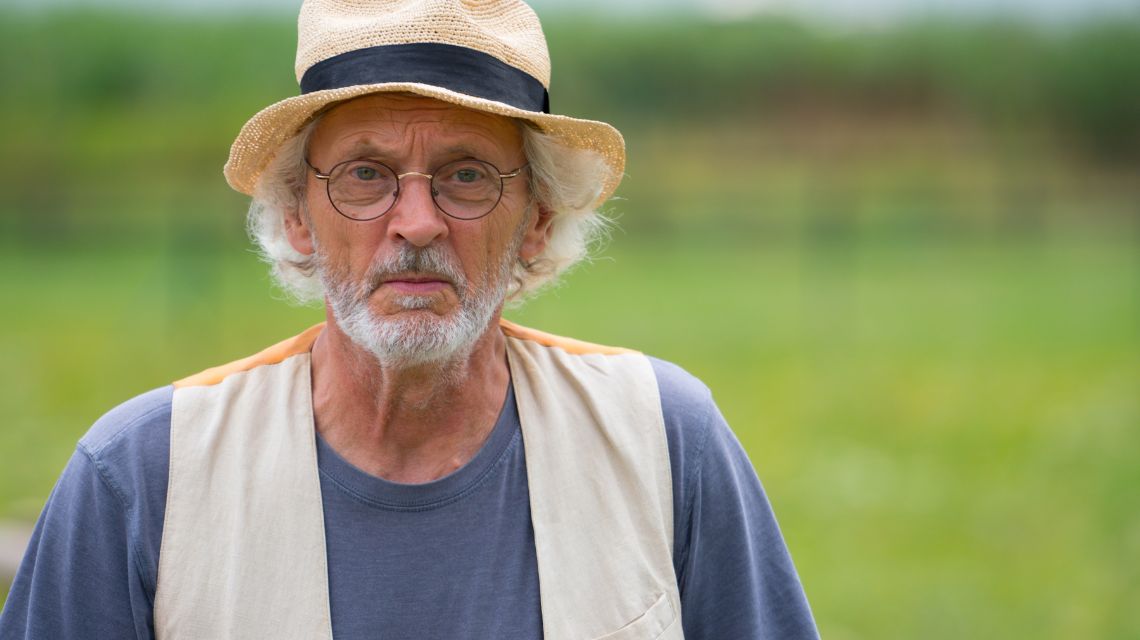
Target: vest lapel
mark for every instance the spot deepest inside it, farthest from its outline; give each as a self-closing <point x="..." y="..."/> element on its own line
<point x="243" y="543"/>
<point x="600" y="489"/>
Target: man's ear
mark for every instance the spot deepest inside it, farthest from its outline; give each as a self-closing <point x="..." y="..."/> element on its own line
<point x="298" y="231"/>
<point x="537" y="234"/>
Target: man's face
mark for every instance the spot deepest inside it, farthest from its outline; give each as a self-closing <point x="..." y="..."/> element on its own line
<point x="415" y="285"/>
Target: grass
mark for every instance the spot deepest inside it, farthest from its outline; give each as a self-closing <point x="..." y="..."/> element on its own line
<point x="947" y="431"/>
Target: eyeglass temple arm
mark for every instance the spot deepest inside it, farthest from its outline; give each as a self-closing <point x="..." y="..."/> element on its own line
<point x="515" y="172"/>
<point x="317" y="172"/>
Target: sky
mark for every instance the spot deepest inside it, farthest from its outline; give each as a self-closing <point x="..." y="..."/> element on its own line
<point x="853" y="13"/>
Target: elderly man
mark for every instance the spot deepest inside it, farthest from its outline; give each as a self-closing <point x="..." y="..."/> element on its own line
<point x="416" y="467"/>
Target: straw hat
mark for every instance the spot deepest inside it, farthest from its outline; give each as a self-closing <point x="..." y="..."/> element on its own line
<point x="487" y="55"/>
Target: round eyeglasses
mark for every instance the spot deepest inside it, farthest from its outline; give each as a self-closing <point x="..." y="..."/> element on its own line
<point x="366" y="189"/>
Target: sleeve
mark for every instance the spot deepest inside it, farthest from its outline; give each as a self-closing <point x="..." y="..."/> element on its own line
<point x="79" y="576"/>
<point x="736" y="577"/>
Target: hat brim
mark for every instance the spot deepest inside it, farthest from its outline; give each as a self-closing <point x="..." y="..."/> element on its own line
<point x="262" y="136"/>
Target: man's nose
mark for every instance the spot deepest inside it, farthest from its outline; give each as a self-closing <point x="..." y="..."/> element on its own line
<point x="414" y="217"/>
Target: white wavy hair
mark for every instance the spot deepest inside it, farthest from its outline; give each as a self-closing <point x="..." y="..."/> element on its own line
<point x="564" y="182"/>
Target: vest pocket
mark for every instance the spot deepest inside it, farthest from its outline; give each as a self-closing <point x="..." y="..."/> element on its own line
<point x="651" y="625"/>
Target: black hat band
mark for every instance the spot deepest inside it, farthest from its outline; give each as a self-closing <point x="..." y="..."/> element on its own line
<point x="447" y="66"/>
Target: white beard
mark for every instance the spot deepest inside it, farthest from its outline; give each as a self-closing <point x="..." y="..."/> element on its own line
<point x="421" y="337"/>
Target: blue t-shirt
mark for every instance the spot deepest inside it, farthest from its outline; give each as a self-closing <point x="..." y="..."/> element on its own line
<point x="449" y="559"/>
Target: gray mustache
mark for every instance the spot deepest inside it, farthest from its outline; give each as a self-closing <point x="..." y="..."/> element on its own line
<point x="431" y="261"/>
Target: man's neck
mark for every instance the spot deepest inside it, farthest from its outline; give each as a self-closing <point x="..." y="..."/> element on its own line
<point x="411" y="424"/>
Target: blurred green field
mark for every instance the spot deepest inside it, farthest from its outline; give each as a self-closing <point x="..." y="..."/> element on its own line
<point x="913" y="284"/>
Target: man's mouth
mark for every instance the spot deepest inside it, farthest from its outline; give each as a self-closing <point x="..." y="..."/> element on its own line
<point x="416" y="283"/>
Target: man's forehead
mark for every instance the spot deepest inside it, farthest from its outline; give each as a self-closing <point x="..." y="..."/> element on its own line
<point x="391" y="117"/>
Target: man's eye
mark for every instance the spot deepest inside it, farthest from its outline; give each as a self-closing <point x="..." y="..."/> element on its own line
<point x="365" y="173"/>
<point x="467" y="175"/>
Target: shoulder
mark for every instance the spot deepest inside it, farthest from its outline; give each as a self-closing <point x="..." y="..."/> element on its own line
<point x="93" y="556"/>
<point x="571" y="346"/>
<point x="690" y="416"/>
<point x="688" y="409"/>
<point x="702" y="446"/>
<point x="686" y="403"/>
<point x="127" y="421"/>
<point x="685" y="400"/>
<point x="129" y="445"/>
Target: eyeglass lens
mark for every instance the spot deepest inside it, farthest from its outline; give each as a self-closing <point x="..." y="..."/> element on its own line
<point x="363" y="189"/>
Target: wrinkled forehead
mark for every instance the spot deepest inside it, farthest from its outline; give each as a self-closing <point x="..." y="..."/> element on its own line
<point x="407" y="123"/>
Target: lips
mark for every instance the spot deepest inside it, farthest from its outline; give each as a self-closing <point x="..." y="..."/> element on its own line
<point x="416" y="283"/>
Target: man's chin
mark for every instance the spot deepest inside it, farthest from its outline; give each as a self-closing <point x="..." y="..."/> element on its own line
<point x="411" y="337"/>
<point x="414" y="304"/>
<point x="384" y="303"/>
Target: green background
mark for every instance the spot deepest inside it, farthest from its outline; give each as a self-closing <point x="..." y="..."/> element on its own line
<point x="906" y="262"/>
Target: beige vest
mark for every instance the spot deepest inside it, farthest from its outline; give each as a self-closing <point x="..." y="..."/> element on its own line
<point x="243" y="546"/>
